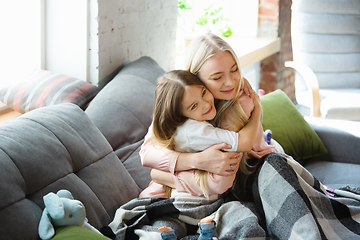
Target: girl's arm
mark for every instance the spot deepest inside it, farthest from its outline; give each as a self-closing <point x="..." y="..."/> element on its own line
<point x="184" y="181"/>
<point x="156" y="156"/>
<point x="248" y="134"/>
<point x="210" y="160"/>
<point x="216" y="184"/>
<point x="162" y="177"/>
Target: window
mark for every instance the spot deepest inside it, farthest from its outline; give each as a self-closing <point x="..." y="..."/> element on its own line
<point x="197" y="16"/>
<point x="227" y="18"/>
<point x="47" y="34"/>
<point x="66" y="37"/>
<point x="20" y="42"/>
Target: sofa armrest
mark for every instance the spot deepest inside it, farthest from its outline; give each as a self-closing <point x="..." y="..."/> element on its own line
<point x="340" y="137"/>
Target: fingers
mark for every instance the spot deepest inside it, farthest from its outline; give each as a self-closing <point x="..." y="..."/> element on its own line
<point x="164" y="229"/>
<point x="223" y="145"/>
<point x="207" y="219"/>
<point x="218" y="161"/>
<point x="233" y="168"/>
<point x="247" y="88"/>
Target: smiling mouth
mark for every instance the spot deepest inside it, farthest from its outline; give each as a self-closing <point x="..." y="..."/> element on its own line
<point x="208" y="111"/>
<point x="228" y="91"/>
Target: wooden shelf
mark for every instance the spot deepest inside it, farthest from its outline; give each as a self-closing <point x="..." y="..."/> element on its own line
<point x="248" y="49"/>
<point x="8" y="116"/>
<point x="251" y="50"/>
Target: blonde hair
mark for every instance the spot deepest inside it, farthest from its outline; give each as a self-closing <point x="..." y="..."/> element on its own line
<point x="199" y="50"/>
<point x="167" y="114"/>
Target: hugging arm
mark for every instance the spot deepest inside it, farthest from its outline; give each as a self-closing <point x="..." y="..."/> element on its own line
<point x="211" y="160"/>
<point x="184" y="181"/>
<point x="247" y="135"/>
<point x="162" y="177"/>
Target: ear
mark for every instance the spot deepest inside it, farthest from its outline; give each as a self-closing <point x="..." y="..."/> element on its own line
<point x="54" y="205"/>
<point x="63" y="193"/>
<point x="46" y="229"/>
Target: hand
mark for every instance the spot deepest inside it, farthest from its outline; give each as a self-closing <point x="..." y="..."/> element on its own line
<point x="257" y="102"/>
<point x="216" y="161"/>
<point x="248" y="89"/>
<point x="256" y="113"/>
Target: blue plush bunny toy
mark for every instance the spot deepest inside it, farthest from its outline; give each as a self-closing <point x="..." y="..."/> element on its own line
<point x="61" y="210"/>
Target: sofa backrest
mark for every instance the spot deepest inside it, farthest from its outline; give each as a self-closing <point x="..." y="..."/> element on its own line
<point x="55" y="148"/>
<point x="122" y="111"/>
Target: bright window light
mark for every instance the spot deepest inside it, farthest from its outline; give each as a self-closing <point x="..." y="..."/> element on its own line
<point x="20" y="42"/>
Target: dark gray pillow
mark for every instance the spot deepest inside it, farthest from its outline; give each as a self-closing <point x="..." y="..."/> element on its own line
<point x="53" y="148"/>
<point x="123" y="112"/>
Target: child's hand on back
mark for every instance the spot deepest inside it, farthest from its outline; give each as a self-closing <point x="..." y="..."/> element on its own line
<point x="257" y="105"/>
<point x="248" y="89"/>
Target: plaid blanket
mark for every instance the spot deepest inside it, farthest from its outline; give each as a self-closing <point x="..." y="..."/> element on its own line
<point x="289" y="203"/>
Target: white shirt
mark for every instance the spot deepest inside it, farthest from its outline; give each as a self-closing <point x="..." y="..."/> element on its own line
<point x="194" y="136"/>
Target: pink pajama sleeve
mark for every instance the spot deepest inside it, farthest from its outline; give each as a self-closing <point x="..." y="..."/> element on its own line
<point x="216" y="184"/>
<point x="156" y="156"/>
<point x="164" y="159"/>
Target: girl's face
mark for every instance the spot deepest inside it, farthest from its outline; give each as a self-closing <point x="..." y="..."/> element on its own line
<point x="198" y="103"/>
<point x="221" y="75"/>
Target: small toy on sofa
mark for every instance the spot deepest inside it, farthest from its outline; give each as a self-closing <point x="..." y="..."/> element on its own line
<point x="61" y="209"/>
<point x="267" y="136"/>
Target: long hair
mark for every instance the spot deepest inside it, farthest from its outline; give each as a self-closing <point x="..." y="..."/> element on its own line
<point x="167" y="114"/>
<point x="199" y="50"/>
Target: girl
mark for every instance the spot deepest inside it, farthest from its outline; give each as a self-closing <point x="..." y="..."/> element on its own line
<point x="182" y="111"/>
<point x="215" y="63"/>
<point x="183" y="106"/>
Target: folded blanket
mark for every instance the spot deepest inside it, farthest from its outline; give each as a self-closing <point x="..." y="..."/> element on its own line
<point x="297" y="206"/>
<point x="289" y="203"/>
<point x="140" y="218"/>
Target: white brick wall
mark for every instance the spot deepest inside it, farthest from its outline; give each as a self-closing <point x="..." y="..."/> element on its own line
<point x="128" y="30"/>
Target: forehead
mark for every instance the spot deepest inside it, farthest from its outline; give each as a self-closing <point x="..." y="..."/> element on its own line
<point x="221" y="61"/>
<point x="191" y="94"/>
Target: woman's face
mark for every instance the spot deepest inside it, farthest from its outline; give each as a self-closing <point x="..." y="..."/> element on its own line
<point x="221" y="75"/>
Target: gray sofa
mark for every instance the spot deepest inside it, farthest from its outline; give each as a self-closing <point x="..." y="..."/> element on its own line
<point x="95" y="153"/>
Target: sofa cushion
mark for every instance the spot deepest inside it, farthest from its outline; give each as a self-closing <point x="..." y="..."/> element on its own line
<point x="123" y="112"/>
<point x="335" y="174"/>
<point x="54" y="148"/>
<point x="44" y="88"/>
<point x="289" y="127"/>
<point x="340" y="137"/>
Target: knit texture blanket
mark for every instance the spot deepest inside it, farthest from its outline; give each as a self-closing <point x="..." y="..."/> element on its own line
<point x="289" y="203"/>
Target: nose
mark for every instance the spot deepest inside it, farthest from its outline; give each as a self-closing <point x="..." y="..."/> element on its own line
<point x="229" y="80"/>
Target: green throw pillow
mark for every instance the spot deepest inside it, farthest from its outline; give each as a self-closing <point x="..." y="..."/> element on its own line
<point x="77" y="233"/>
<point x="289" y="127"/>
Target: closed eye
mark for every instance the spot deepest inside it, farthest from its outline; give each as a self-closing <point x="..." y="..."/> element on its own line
<point x="203" y="92"/>
<point x="235" y="70"/>
<point x="193" y="106"/>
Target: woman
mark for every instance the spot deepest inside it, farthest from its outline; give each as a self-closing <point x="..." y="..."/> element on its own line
<point x="289" y="203"/>
<point x="215" y="63"/>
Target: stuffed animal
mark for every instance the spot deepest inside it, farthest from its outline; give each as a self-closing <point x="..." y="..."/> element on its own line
<point x="268" y="136"/>
<point x="61" y="210"/>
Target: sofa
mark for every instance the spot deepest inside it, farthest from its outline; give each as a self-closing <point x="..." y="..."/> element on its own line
<point x="94" y="153"/>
